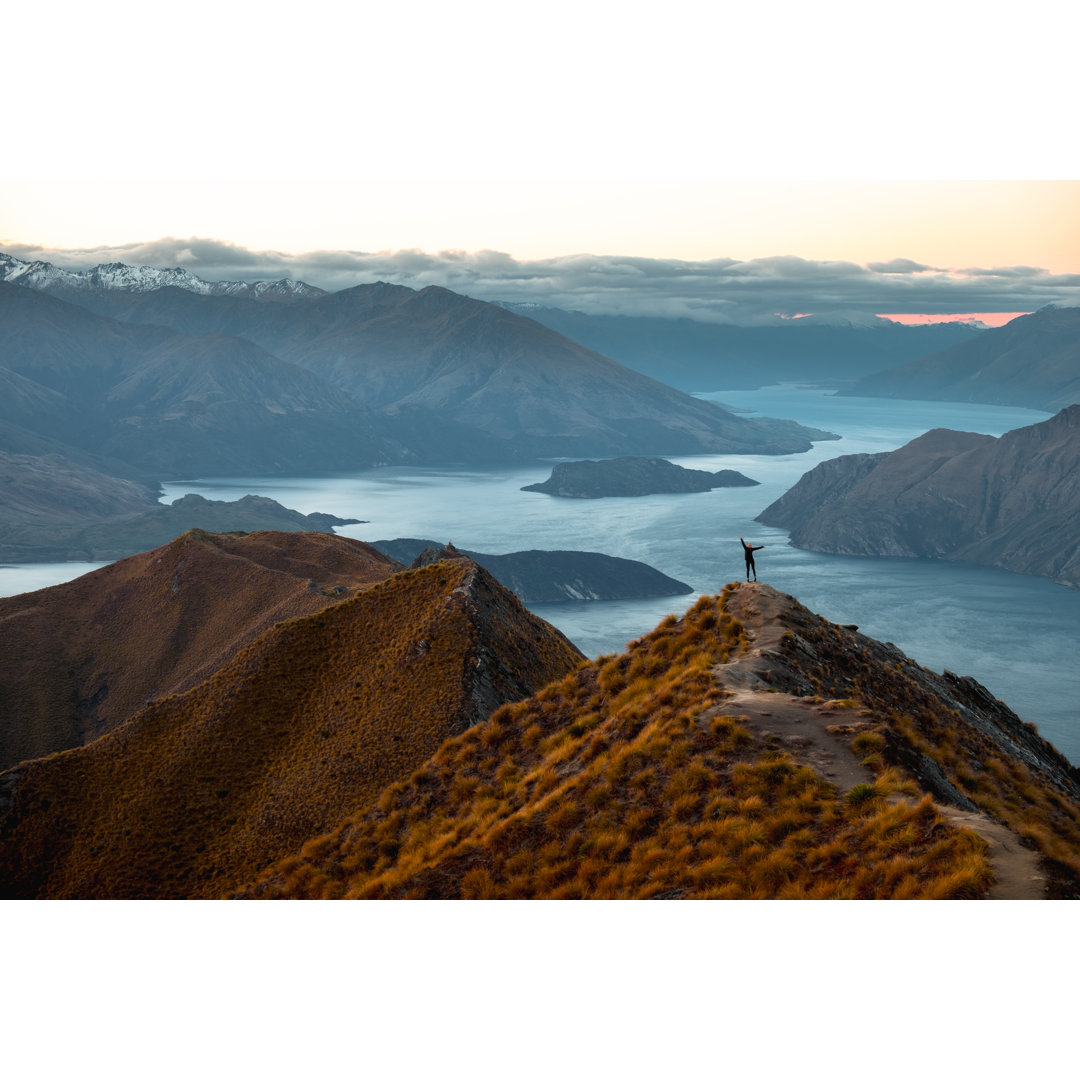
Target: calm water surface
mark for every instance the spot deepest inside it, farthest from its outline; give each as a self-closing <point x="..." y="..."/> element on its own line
<point x="1018" y="635"/>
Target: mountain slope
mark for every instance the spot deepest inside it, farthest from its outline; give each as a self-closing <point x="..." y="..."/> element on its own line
<point x="504" y="386"/>
<point x="1032" y="361"/>
<point x="1011" y="501"/>
<point x="706" y="762"/>
<point x="81" y="657"/>
<point x="172" y="405"/>
<point x="197" y="792"/>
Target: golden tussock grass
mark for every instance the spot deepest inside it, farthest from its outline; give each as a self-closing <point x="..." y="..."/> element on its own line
<point x="678" y="801"/>
<point x="320" y="715"/>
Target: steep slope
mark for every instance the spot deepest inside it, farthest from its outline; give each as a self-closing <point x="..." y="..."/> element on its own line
<point x="1011" y="501"/>
<point x="197" y="792"/>
<point x="749" y="749"/>
<point x="82" y="657"/>
<point x="1033" y="361"/>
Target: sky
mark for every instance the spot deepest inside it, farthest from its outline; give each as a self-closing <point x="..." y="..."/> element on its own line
<point x="704" y="161"/>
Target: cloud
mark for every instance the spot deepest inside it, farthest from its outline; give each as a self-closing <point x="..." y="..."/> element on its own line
<point x="714" y="290"/>
<point x="898" y="266"/>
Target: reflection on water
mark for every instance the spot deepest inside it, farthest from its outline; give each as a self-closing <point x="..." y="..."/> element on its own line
<point x="1018" y="635"/>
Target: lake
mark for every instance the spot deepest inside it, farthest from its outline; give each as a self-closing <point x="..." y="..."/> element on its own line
<point x="1016" y="634"/>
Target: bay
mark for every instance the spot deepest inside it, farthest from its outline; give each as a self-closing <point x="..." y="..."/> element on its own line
<point x="1016" y="634"/>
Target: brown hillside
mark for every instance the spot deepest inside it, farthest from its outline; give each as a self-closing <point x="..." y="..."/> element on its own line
<point x="81" y="657"/>
<point x="198" y="792"/>
<point x="748" y="750"/>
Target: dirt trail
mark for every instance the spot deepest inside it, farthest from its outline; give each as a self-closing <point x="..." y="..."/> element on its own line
<point x="799" y="726"/>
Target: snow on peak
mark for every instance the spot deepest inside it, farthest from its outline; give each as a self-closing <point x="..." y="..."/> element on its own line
<point x="120" y="277"/>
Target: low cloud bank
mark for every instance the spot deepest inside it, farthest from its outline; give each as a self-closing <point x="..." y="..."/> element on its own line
<point x="714" y="290"/>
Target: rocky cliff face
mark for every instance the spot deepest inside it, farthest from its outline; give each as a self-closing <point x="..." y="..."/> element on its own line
<point x="1011" y="501"/>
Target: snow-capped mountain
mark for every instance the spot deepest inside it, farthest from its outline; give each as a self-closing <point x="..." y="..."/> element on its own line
<point x="119" y="277"/>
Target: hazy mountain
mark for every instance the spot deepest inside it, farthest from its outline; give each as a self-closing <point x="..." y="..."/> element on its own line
<point x="1012" y="501"/>
<point x="534" y="393"/>
<point x="467" y="379"/>
<point x="319" y="713"/>
<point x="633" y="476"/>
<point x="1032" y="361"/>
<point x="49" y="490"/>
<point x="47" y="529"/>
<point x="699" y="356"/>
<point x="548" y="577"/>
<point x="171" y="405"/>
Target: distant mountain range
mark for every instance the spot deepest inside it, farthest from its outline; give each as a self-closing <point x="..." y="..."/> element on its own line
<point x="178" y="378"/>
<point x="294" y="715"/>
<point x="1033" y="361"/>
<point x="1012" y="501"/>
<point x="701" y="356"/>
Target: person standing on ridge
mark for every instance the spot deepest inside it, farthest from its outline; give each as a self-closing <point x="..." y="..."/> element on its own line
<point x="748" y="551"/>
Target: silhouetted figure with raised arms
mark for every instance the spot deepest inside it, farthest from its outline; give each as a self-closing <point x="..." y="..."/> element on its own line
<point x="748" y="551"/>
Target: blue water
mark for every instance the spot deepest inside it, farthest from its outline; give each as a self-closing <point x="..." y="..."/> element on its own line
<point x="1016" y="634"/>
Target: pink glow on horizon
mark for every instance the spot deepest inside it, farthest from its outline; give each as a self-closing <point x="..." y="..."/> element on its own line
<point x="989" y="318"/>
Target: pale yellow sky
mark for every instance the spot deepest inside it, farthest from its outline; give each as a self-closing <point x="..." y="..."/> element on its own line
<point x="948" y="224"/>
<point x="594" y="126"/>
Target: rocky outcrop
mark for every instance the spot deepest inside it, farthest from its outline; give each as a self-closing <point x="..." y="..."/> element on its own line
<point x="549" y="577"/>
<point x="1011" y="501"/>
<point x="631" y="476"/>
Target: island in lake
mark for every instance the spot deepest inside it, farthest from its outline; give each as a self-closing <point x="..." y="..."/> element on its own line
<point x="632" y="476"/>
